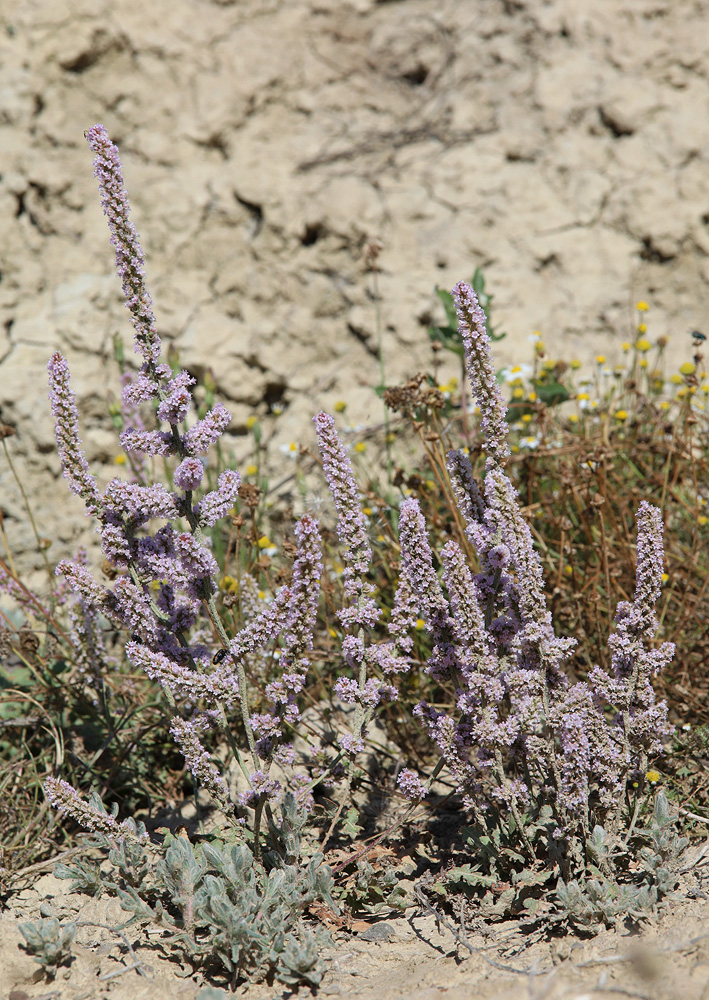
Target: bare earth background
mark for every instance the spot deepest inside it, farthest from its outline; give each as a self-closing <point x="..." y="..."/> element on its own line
<point x="560" y="145"/>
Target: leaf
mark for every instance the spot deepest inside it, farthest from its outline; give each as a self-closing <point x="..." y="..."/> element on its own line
<point x="350" y="826"/>
<point x="472" y="876"/>
<point x="529" y="877"/>
<point x="500" y="907"/>
<point x="550" y="391"/>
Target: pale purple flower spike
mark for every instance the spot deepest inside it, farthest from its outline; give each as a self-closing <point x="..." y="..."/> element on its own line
<point x="481" y="372"/>
<point x="130" y="263"/>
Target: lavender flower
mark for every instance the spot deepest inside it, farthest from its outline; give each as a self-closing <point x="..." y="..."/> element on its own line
<point x="642" y="721"/>
<point x="67" y="800"/>
<point x="139" y="441"/>
<point x="138" y="504"/>
<point x="216" y="688"/>
<point x="417" y="560"/>
<point x="66" y="431"/>
<point x="174" y="408"/>
<point x="471" y="502"/>
<point x="305" y="586"/>
<point x="487" y="393"/>
<point x="86" y="636"/>
<point x="262" y="629"/>
<point x="219" y="502"/>
<point x="131" y="606"/>
<point x="200" y="438"/>
<point x="351" y="523"/>
<point x="404" y="614"/>
<point x="130" y="263"/>
<point x="81" y="582"/>
<point x="468" y="621"/>
<point x="262" y="786"/>
<point x="411" y="785"/>
<point x="188" y="474"/>
<point x="186" y="735"/>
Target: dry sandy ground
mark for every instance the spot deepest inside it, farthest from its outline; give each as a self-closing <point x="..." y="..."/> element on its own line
<point x="561" y="145"/>
<point x="420" y="960"/>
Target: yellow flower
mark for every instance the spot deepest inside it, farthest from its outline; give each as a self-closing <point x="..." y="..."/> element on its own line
<point x="600" y="359"/>
<point x="367" y="511"/>
<point x="642" y="306"/>
<point x="251" y="422"/>
<point x="568" y="570"/>
<point x="687" y="368"/>
<point x="261" y="595"/>
<point x="626" y="346"/>
<point x="642" y="345"/>
<point x="642" y="327"/>
<point x="573" y="418"/>
<point x="360" y="447"/>
<point x="643" y="363"/>
<point x="653" y="777"/>
<point x="532" y="397"/>
<point x="549" y="365"/>
<point x="664" y="405"/>
<point x="703" y="520"/>
<point x="251" y="470"/>
<point x="575" y="364"/>
<point x="665" y="577"/>
<point x="120" y="460"/>
<point x="333" y="633"/>
<point x="681" y="393"/>
<point x="518" y="394"/>
<point x="514" y="449"/>
<point x="420" y="624"/>
<point x="583" y="396"/>
<point x="229" y="584"/>
<point x="539" y="347"/>
<point x="340" y="406"/>
<point x="620" y="415"/>
<point x="264" y="542"/>
<point x="526" y="418"/>
<point x="390" y="438"/>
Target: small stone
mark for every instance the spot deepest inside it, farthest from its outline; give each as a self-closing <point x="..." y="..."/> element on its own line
<point x="378" y="932"/>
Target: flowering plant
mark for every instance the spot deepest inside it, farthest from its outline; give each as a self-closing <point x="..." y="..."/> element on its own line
<point x="549" y="770"/>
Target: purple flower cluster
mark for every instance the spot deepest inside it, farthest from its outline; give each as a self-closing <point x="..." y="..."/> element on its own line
<point x="478" y="359"/>
<point x="186" y="735"/>
<point x="351" y="522"/>
<point x="521" y="731"/>
<point x="66" y="431"/>
<point x="67" y="801"/>
<point x="360" y="613"/>
<point x="164" y="589"/>
<point x="130" y="263"/>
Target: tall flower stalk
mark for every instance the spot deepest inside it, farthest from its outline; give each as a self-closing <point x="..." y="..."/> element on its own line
<point x="165" y="582"/>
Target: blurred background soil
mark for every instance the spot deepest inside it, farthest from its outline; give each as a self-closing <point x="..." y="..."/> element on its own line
<point x="268" y="145"/>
